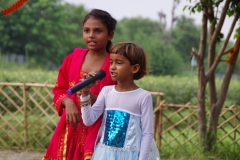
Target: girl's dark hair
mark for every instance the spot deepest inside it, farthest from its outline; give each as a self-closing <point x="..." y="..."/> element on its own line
<point x="135" y="54"/>
<point x="106" y="19"/>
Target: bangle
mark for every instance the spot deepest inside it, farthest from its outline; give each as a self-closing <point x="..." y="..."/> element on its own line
<point x="85" y="103"/>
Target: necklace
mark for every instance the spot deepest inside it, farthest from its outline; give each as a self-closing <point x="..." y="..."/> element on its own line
<point x="12" y="8"/>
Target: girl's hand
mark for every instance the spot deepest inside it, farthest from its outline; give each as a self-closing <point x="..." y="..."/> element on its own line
<point x="72" y="112"/>
<point x="85" y="91"/>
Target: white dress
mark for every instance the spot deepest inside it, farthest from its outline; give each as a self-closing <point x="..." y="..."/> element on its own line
<point x="126" y="132"/>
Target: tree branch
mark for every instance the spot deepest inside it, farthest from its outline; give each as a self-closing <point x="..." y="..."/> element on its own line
<point x="225" y="86"/>
<point x="202" y="47"/>
<point x="211" y="16"/>
<point x="214" y="66"/>
<point x="203" y="38"/>
<point x="221" y="21"/>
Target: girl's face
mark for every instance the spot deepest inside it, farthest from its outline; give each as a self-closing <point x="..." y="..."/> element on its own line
<point x="95" y="34"/>
<point x="120" y="68"/>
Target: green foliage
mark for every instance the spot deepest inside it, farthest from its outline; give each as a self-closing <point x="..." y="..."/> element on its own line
<point x="185" y="36"/>
<point x="177" y="89"/>
<point x="137" y="29"/>
<point x="43" y="29"/>
<point x="237" y="33"/>
<point x="6" y="4"/>
<point x="183" y="89"/>
<point x="233" y="96"/>
<point x="234" y="8"/>
<point x="188" y="152"/>
<point x="163" y="59"/>
<point x="11" y="72"/>
<point x="197" y="7"/>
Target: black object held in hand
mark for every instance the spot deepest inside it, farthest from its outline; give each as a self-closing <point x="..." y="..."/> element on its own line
<point x="99" y="75"/>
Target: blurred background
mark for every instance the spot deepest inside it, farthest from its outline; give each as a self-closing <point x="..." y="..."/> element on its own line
<point x="42" y="32"/>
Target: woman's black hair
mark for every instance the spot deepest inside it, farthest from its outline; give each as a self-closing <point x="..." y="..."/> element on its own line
<point x="106" y="19"/>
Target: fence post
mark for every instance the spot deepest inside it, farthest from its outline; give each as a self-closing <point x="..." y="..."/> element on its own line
<point x="25" y="115"/>
<point x="160" y="126"/>
<point x="158" y="121"/>
<point x="156" y="117"/>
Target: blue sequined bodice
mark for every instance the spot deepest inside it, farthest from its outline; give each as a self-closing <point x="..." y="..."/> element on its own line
<point x="116" y="128"/>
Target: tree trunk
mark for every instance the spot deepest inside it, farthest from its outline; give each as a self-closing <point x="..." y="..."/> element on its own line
<point x="211" y="58"/>
<point x="217" y="107"/>
<point x="202" y="128"/>
<point x="202" y="82"/>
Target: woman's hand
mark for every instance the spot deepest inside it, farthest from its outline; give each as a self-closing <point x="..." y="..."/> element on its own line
<point x="72" y="112"/>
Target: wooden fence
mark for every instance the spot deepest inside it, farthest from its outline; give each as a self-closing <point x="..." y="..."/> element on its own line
<point x="28" y="119"/>
<point x="177" y="126"/>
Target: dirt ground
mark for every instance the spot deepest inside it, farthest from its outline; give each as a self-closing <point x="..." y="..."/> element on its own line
<point x="20" y="155"/>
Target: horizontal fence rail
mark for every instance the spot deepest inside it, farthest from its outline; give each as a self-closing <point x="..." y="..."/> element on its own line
<point x="28" y="119"/>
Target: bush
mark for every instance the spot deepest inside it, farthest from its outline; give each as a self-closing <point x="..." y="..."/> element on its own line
<point x="164" y="60"/>
<point x="177" y="89"/>
<point x="183" y="89"/>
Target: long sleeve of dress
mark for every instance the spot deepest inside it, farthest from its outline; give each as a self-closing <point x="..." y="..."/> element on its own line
<point x="147" y="127"/>
<point x="91" y="114"/>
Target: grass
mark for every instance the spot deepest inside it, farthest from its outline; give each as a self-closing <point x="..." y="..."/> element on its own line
<point x="193" y="152"/>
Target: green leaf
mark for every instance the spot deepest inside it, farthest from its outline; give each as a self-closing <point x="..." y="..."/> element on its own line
<point x="184" y="7"/>
<point x="199" y="8"/>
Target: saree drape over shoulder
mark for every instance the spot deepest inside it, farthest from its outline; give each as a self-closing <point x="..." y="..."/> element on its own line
<point x="70" y="143"/>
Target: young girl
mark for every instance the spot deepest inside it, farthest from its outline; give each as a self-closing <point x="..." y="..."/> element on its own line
<point x="72" y="140"/>
<point x="126" y="132"/>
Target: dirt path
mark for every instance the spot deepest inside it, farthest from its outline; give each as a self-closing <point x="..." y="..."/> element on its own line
<point x="20" y="155"/>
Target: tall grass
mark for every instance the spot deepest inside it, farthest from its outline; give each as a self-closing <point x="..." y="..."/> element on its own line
<point x="190" y="152"/>
<point x="12" y="72"/>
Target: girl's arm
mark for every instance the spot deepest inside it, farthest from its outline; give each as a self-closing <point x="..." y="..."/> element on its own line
<point x="93" y="97"/>
<point x="61" y="86"/>
<point x="91" y="114"/>
<point x="147" y="127"/>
